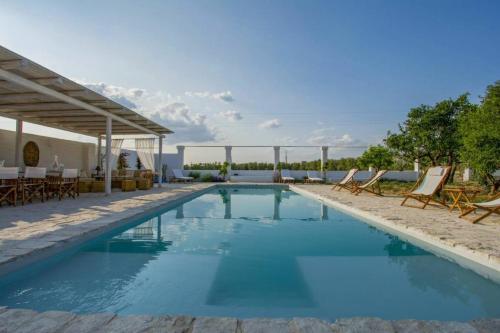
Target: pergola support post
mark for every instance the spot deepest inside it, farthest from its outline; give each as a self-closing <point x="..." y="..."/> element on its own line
<point x="107" y="175"/>
<point x="19" y="142"/>
<point x="99" y="150"/>
<point x="160" y="161"/>
<point x="180" y="154"/>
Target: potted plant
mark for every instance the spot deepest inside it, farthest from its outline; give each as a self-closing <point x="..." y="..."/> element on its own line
<point x="223" y="170"/>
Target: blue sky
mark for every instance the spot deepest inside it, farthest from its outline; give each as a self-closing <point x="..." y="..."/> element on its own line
<point x="265" y="72"/>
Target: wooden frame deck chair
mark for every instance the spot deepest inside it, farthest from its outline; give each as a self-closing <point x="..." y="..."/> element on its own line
<point x="9" y="182"/>
<point x="491" y="207"/>
<point x="314" y="177"/>
<point x="347" y="182"/>
<point x="286" y="177"/>
<point x="33" y="184"/>
<point x="179" y="176"/>
<point x="371" y="186"/>
<point x="65" y="185"/>
<point x="427" y="186"/>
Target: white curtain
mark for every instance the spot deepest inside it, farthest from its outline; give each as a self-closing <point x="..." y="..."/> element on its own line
<point x="146" y="153"/>
<point x="116" y="147"/>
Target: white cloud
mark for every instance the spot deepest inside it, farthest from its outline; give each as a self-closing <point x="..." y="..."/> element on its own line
<point x="272" y="123"/>
<point x="188" y="126"/>
<point x="327" y="137"/>
<point x="231" y="115"/>
<point x="164" y="109"/>
<point x="225" y="96"/>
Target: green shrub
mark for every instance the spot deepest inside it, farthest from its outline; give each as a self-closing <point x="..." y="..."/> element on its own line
<point x="196" y="175"/>
<point x="206" y="178"/>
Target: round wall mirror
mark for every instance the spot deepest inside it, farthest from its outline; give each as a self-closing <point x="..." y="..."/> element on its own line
<point x="31" y="154"/>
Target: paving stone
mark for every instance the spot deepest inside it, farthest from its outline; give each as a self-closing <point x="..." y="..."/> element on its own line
<point x="167" y="324"/>
<point x="361" y="325"/>
<point x="215" y="325"/>
<point x="263" y="325"/>
<point x="423" y="326"/>
<point x="128" y="324"/>
<point x="88" y="323"/>
<point x="3" y="309"/>
<point x="486" y="325"/>
<point x="309" y="325"/>
<point x="46" y="322"/>
<point x="11" y="319"/>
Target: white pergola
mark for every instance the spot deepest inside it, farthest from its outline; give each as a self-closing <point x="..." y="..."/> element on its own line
<point x="32" y="93"/>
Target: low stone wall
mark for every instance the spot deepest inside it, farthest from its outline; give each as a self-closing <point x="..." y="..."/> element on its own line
<point x="333" y="176"/>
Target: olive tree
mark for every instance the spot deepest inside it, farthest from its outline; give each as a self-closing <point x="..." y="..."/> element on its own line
<point x="480" y="133"/>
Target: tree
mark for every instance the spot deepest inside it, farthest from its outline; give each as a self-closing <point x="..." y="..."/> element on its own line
<point x="430" y="133"/>
<point x="122" y="163"/>
<point x="378" y="157"/>
<point x="480" y="132"/>
<point x="138" y="163"/>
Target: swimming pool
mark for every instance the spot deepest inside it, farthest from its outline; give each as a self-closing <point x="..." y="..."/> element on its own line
<point x="253" y="252"/>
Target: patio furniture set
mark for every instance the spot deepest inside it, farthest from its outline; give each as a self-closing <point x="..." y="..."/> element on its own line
<point x="126" y="180"/>
<point x="425" y="191"/>
<point x="36" y="183"/>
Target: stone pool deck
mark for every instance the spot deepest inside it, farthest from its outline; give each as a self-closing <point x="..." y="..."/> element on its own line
<point x="434" y="225"/>
<point x="27" y="321"/>
<point x="38" y="229"/>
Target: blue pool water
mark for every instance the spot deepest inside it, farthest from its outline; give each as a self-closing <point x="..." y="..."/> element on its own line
<point x="250" y="252"/>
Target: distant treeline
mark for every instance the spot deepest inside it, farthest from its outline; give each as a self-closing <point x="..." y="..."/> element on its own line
<point x="332" y="165"/>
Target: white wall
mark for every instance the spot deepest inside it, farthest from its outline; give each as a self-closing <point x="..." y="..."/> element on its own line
<point x="334" y="176"/>
<point x="72" y="154"/>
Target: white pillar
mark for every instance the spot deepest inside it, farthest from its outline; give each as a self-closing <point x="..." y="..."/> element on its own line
<point x="276" y="158"/>
<point x="107" y="176"/>
<point x="19" y="142"/>
<point x="160" y="161"/>
<point x="416" y="166"/>
<point x="99" y="150"/>
<point x="229" y="159"/>
<point x="180" y="155"/>
<point x="467" y="176"/>
<point x="324" y="160"/>
<point x="371" y="169"/>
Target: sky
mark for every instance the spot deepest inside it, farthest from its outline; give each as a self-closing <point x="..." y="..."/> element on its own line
<point x="257" y="72"/>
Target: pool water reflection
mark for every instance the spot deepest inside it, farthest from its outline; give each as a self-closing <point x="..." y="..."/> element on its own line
<point x="251" y="252"/>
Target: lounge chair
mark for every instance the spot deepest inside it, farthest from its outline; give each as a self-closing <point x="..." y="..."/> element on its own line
<point x="179" y="177"/>
<point x="33" y="184"/>
<point x="9" y="180"/>
<point x="314" y="177"/>
<point x="427" y="186"/>
<point x="371" y="186"/>
<point x="492" y="206"/>
<point x="347" y="182"/>
<point x="286" y="177"/>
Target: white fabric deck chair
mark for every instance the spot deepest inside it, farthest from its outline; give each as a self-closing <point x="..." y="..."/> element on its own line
<point x="314" y="177"/>
<point x="371" y="186"/>
<point x="9" y="180"/>
<point x="33" y="184"/>
<point x="347" y="182"/>
<point x="428" y="186"/>
<point x="286" y="177"/>
<point x="178" y="176"/>
<point x="491" y="207"/>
